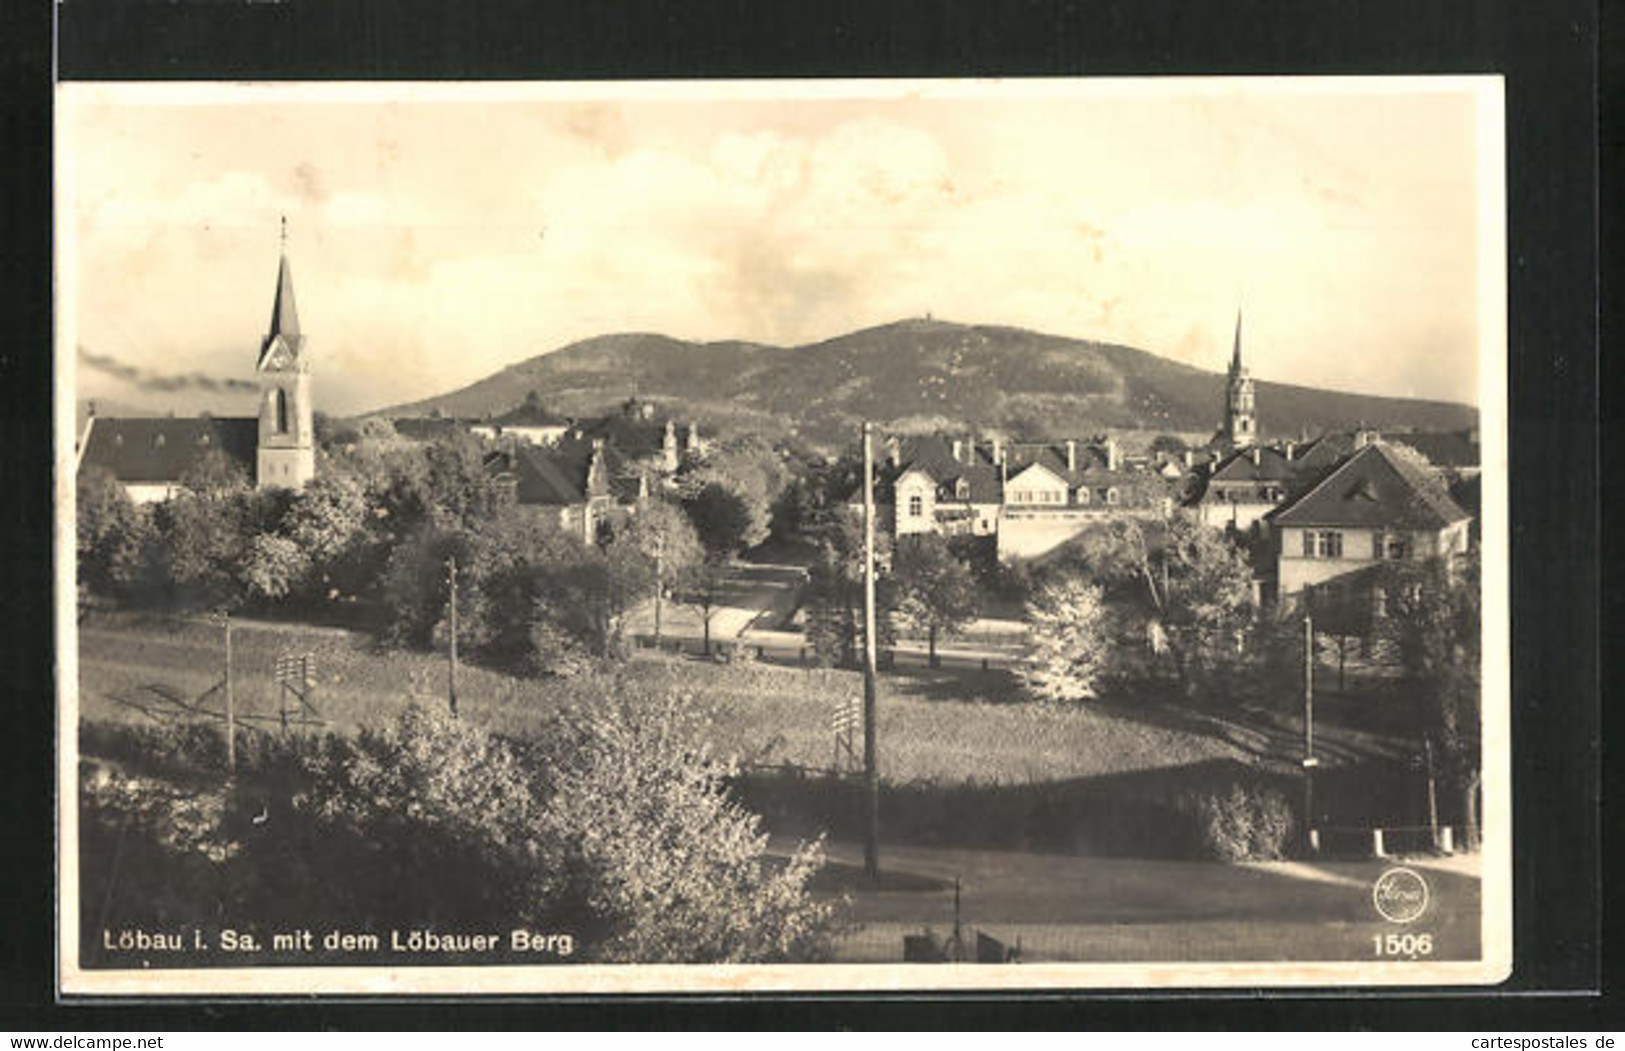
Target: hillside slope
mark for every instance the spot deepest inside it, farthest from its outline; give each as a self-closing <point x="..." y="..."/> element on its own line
<point x="917" y="374"/>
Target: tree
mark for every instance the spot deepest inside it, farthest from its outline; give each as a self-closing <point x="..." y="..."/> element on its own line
<point x="437" y="800"/>
<point x="705" y="583"/>
<point x="214" y="474"/>
<point x="793" y="511"/>
<point x="327" y="522"/>
<point x="1190" y="585"/>
<point x="936" y="591"/>
<point x="276" y="567"/>
<point x="657" y="547"/>
<point x="1069" y="638"/>
<point x="116" y="540"/>
<point x="746" y="467"/>
<point x="834" y="596"/>
<point x="668" y="866"/>
<point x="203" y="547"/>
<point x="720" y="518"/>
<point x="1432" y="619"/>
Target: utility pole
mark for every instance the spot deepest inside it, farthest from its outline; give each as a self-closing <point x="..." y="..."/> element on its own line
<point x="871" y="772"/>
<point x="1433" y="792"/>
<point x="1309" y="760"/>
<point x="451" y="681"/>
<point x="660" y="581"/>
<point x="231" y="711"/>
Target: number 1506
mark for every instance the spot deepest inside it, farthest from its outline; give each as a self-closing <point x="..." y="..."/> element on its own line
<point x="1402" y="944"/>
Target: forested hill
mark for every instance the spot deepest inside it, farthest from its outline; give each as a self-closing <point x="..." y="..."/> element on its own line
<point x="917" y="375"/>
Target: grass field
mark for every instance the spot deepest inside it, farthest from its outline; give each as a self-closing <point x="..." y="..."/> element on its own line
<point x="954" y="725"/>
<point x="944" y="725"/>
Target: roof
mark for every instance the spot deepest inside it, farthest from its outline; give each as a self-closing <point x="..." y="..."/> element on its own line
<point x="284" y="326"/>
<point x="558" y="476"/>
<point x="1442" y="449"/>
<point x="529" y="414"/>
<point x="160" y="450"/>
<point x="1271" y="465"/>
<point x="1375" y="487"/>
<point x="428" y="428"/>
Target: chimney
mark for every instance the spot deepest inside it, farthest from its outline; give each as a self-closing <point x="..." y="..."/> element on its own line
<point x="1189" y="457"/>
<point x="998" y="450"/>
<point x="1114" y="455"/>
<point x="1072" y="454"/>
<point x="894" y="450"/>
<point x="1257" y="455"/>
<point x="959" y="451"/>
<point x="1291" y="449"/>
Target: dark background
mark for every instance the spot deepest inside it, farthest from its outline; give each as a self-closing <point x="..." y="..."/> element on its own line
<point x="1548" y="52"/>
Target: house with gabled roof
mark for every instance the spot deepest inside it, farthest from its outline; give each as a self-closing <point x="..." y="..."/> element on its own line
<point x="1379" y="504"/>
<point x="1030" y="496"/>
<point x="578" y="484"/>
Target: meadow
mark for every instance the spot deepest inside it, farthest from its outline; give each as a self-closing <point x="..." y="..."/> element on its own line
<point x="964" y="757"/>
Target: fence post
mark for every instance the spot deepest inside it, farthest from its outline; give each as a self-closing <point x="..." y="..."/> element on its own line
<point x="1314" y="841"/>
<point x="1444" y="840"/>
<point x="1377" y="850"/>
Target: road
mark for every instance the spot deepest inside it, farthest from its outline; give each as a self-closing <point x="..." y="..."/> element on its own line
<point x="756" y="603"/>
<point x="1129" y="909"/>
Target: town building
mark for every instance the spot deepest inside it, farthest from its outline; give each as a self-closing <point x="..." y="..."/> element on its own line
<point x="592" y="473"/>
<point x="1378" y="505"/>
<point x="152" y="456"/>
<point x="1029" y="497"/>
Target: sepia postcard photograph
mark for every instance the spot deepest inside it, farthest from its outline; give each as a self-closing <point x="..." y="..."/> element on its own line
<point x="775" y="536"/>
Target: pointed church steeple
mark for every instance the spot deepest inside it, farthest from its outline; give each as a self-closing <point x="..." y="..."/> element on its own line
<point x="1240" y="414"/>
<point x="284" y="328"/>
<point x="1235" y="353"/>
<point x="287" y="456"/>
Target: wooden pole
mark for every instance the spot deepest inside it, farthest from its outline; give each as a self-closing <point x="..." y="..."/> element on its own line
<point x="231" y="710"/>
<point x="660" y="581"/>
<point x="1308" y="723"/>
<point x="451" y="681"/>
<point x="1433" y="795"/>
<point x="871" y="772"/>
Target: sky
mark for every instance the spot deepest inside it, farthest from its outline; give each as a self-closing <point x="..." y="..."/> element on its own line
<point x="437" y="237"/>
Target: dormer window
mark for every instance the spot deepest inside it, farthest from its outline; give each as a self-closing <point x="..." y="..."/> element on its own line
<point x="1083" y="495"/>
<point x="1111" y="496"/>
<point x="158" y="442"/>
<point x="962" y="489"/>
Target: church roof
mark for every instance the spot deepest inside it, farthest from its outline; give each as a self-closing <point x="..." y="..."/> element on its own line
<point x="1376" y="487"/>
<point x="284" y="315"/>
<point x="160" y="450"/>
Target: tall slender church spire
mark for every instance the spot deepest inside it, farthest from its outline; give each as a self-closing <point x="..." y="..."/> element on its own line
<point x="284" y="315"/>
<point x="1240" y="413"/>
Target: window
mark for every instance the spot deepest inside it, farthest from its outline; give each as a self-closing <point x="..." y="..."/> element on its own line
<point x="916" y="506"/>
<point x="1111" y="496"/>
<point x="1394" y="548"/>
<point x="1325" y="544"/>
<point x="962" y="489"/>
<point x="279" y="410"/>
<point x="1083" y="495"/>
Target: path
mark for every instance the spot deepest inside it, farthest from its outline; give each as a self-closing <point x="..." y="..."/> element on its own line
<point x="1081" y="908"/>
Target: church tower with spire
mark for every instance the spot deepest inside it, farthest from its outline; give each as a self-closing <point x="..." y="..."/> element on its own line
<point x="287" y="433"/>
<point x="1240" y="415"/>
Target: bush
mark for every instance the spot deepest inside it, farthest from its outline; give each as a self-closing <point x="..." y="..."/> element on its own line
<point x="1243" y="823"/>
<point x="670" y="867"/>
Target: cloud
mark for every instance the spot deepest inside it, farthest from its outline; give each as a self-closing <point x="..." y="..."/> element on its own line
<point x="154" y="381"/>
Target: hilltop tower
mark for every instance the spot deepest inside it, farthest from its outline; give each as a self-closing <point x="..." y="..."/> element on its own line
<point x="287" y="433"/>
<point x="1240" y="416"/>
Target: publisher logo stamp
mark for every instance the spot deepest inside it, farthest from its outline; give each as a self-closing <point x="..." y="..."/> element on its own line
<point x="1400" y="895"/>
